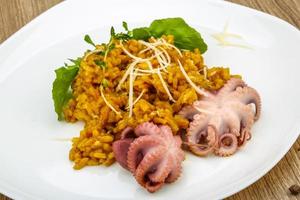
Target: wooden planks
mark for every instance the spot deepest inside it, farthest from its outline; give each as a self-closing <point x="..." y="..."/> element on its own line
<point x="16" y="13"/>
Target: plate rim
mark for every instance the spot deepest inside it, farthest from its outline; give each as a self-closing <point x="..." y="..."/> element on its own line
<point x="16" y="193"/>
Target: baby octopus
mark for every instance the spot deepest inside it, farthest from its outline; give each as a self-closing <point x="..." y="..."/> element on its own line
<point x="151" y="153"/>
<point x="221" y="121"/>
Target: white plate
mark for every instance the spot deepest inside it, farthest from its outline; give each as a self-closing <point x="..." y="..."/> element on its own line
<point x="35" y="165"/>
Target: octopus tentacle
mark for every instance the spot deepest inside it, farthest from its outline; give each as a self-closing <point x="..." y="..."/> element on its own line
<point x="201" y="138"/>
<point x="174" y="174"/>
<point x="147" y="128"/>
<point x="205" y="106"/>
<point x="244" y="136"/>
<point x="188" y="112"/>
<point x="232" y="85"/>
<point x="227" y="145"/>
<point x="246" y="121"/>
<point x="138" y="149"/>
<point x="153" y="156"/>
<point x="166" y="132"/>
<point x="218" y="122"/>
<point x="176" y="159"/>
<point x="121" y="147"/>
<point x="161" y="170"/>
<point x="128" y="132"/>
<point x="146" y="167"/>
<point x="227" y="111"/>
<point x="248" y="95"/>
<point x="177" y="168"/>
<point x="233" y="121"/>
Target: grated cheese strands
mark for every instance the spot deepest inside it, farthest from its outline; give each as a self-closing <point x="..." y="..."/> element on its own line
<point x="149" y="65"/>
<point x="123" y="79"/>
<point x="133" y="56"/>
<point x="156" y="43"/>
<point x="130" y="98"/>
<point x="198" y="90"/>
<point x="166" y="54"/>
<point x="205" y="72"/>
<point x="137" y="99"/>
<point x="163" y="65"/>
<point x="144" y="50"/>
<point x="222" y="38"/>
<point x="140" y="74"/>
<point x="107" y="103"/>
<point x="158" y="54"/>
<point x="164" y="61"/>
<point x="165" y="86"/>
<point x="172" y="46"/>
<point x="151" y="71"/>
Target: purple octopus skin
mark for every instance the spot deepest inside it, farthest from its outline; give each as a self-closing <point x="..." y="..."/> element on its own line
<point x="151" y="153"/>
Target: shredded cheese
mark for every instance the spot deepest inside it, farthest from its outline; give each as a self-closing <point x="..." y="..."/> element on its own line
<point x="137" y="99"/>
<point x="165" y="86"/>
<point x="107" y="103"/>
<point x="123" y="79"/>
<point x="223" y="36"/>
<point x="205" y="72"/>
<point x="133" y="56"/>
<point x="172" y="46"/>
<point x="164" y="61"/>
<point x="198" y="89"/>
<point x="130" y="98"/>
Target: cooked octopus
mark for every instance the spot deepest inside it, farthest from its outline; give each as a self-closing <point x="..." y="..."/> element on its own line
<point x="151" y="153"/>
<point x="222" y="121"/>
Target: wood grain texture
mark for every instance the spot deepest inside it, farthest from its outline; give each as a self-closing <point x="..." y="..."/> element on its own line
<point x="274" y="185"/>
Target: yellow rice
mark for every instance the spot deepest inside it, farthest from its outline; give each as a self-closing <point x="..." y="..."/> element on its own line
<point x="103" y="125"/>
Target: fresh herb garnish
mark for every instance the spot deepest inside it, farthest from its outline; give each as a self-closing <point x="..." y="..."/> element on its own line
<point x="121" y="36"/>
<point x="76" y="61"/>
<point x="185" y="37"/>
<point x="101" y="64"/>
<point x="112" y="31"/>
<point x="111" y="47"/>
<point x="105" y="83"/>
<point x="61" y="91"/>
<point x="88" y="39"/>
<point x="101" y="53"/>
<point x="125" y="26"/>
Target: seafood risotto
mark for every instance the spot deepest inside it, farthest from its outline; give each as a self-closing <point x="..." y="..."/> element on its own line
<point x="146" y="96"/>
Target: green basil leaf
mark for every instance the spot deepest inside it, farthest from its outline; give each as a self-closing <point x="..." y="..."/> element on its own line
<point x="185" y="37"/>
<point x="61" y="90"/>
<point x="142" y="33"/>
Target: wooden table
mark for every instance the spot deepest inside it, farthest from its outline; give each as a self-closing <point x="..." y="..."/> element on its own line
<point x="274" y="185"/>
